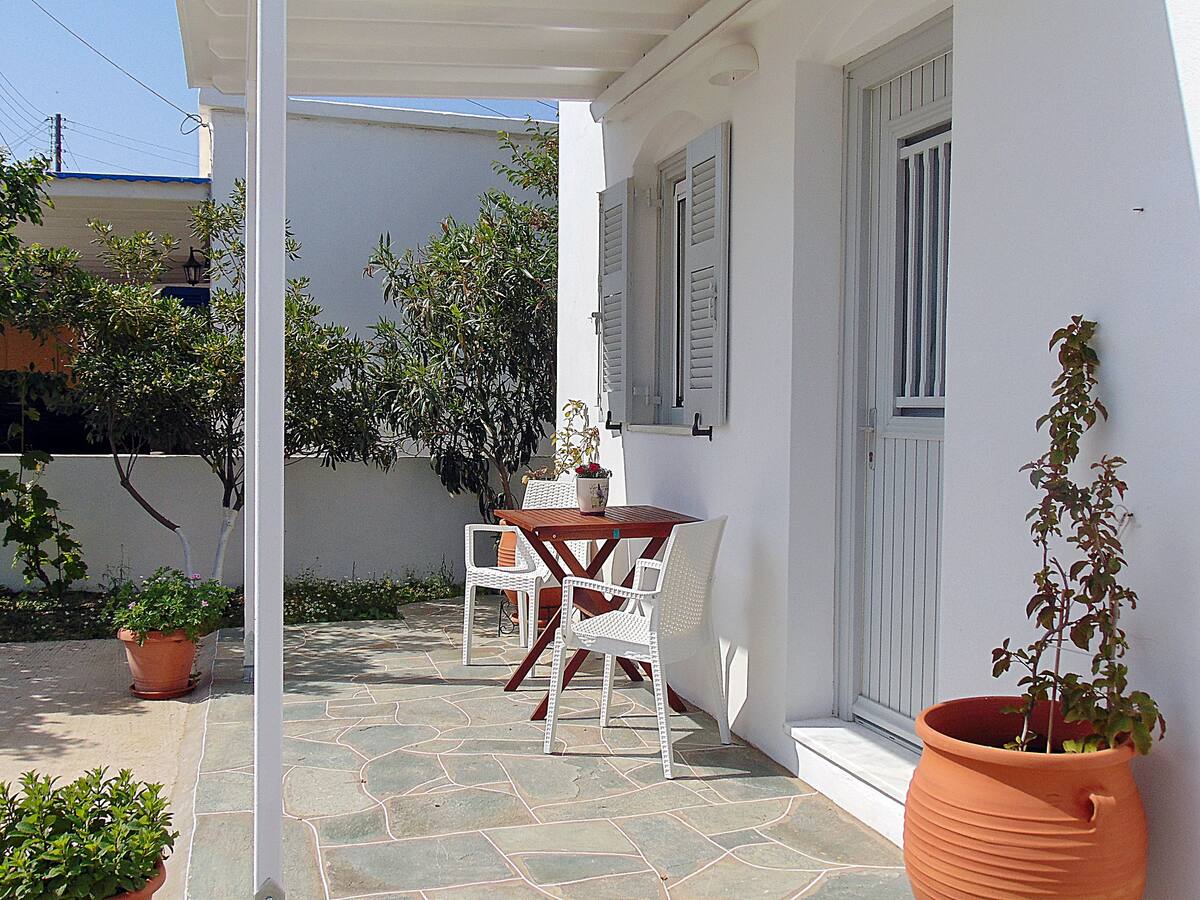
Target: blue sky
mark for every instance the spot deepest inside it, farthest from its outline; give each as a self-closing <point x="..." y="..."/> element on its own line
<point x="113" y="124"/>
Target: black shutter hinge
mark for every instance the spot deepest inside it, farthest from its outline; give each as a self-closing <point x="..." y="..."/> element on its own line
<point x="612" y="426"/>
<point x="697" y="431"/>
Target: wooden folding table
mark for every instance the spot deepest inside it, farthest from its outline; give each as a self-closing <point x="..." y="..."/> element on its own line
<point x="548" y="531"/>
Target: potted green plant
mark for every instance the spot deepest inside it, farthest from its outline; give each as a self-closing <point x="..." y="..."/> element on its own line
<point x="96" y="837"/>
<point x="1034" y="795"/>
<point x="159" y="623"/>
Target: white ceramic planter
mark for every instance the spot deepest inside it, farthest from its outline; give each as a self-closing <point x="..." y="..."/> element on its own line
<point x="592" y="494"/>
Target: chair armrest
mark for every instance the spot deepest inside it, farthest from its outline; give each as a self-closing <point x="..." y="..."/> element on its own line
<point x="573" y="583"/>
<point x="642" y="568"/>
<point x="470" y="531"/>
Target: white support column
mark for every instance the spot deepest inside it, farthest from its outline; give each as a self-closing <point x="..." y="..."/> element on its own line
<point x="248" y="517"/>
<point x="270" y="189"/>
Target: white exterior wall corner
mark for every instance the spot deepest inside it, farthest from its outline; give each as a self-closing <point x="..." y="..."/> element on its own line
<point x="1075" y="191"/>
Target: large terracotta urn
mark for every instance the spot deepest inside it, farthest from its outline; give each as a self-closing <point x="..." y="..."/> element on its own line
<point x="983" y="821"/>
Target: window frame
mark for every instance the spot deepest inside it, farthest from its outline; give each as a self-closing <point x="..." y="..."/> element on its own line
<point x="669" y="364"/>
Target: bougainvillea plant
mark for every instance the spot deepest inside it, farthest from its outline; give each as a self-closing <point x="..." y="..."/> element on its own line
<point x="1077" y="527"/>
<point x="170" y="601"/>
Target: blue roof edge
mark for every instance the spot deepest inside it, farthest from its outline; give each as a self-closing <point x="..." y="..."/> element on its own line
<point x="104" y="176"/>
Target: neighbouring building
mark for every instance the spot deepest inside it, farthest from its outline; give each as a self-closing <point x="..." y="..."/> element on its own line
<point x="356" y="172"/>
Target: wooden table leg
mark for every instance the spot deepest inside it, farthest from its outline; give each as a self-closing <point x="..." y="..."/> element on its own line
<point x="531" y="658"/>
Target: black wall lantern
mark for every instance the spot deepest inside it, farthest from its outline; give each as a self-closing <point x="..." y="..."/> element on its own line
<point x="195" y="270"/>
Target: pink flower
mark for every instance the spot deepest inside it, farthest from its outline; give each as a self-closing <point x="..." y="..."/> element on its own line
<point x="204" y="603"/>
<point x="196" y="576"/>
<point x="132" y="605"/>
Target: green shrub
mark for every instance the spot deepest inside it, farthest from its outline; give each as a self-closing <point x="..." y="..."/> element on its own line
<point x="309" y="598"/>
<point x="94" y="837"/>
<point x="170" y="601"/>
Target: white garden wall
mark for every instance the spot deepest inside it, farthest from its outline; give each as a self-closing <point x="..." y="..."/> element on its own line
<point x="356" y="172"/>
<point x="352" y="520"/>
<point x="1075" y="192"/>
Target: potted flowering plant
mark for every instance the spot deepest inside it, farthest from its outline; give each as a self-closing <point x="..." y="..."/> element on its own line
<point x="1033" y="795"/>
<point x="591" y="488"/>
<point x="95" y="837"/>
<point x="159" y="622"/>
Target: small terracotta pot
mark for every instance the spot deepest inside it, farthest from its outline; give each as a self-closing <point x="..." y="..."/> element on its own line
<point x="592" y="494"/>
<point x="162" y="665"/>
<point x="982" y="821"/>
<point x="148" y="889"/>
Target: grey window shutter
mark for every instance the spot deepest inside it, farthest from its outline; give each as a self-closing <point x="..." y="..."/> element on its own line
<point x="616" y="204"/>
<point x="706" y="261"/>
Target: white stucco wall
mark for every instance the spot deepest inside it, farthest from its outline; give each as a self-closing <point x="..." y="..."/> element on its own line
<point x="356" y="172"/>
<point x="773" y="468"/>
<point x="1064" y="124"/>
<point x="1065" y="121"/>
<point x="352" y="520"/>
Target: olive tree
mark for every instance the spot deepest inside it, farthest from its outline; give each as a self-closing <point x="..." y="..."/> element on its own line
<point x="466" y="370"/>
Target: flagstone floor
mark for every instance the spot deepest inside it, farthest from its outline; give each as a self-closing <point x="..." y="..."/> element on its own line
<point x="409" y="775"/>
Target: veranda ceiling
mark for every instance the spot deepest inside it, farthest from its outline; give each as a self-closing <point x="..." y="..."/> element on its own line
<point x="562" y="49"/>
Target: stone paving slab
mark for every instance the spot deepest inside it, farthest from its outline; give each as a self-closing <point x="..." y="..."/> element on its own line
<point x="410" y="776"/>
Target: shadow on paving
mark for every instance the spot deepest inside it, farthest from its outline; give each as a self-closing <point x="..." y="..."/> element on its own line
<point x="408" y="774"/>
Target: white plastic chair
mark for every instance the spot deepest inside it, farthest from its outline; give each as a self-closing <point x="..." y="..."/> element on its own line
<point x="529" y="575"/>
<point x="659" y="625"/>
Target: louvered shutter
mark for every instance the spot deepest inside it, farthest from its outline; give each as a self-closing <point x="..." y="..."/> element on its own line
<point x="706" y="262"/>
<point x="615" y="205"/>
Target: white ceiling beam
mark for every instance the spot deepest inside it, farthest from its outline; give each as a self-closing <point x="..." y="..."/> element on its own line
<point x="547" y="56"/>
<point x="589" y="15"/>
<point x="326" y="86"/>
<point x="446" y="74"/>
<point x="704" y="22"/>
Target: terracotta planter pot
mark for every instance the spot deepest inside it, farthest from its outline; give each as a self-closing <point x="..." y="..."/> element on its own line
<point x="592" y="494"/>
<point x="982" y="821"/>
<point x="162" y="665"/>
<point x="506" y="557"/>
<point x="149" y="889"/>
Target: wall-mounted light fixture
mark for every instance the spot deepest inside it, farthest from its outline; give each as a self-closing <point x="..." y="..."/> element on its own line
<point x="732" y="64"/>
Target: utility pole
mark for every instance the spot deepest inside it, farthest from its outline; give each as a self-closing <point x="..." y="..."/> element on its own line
<point x="58" y="142"/>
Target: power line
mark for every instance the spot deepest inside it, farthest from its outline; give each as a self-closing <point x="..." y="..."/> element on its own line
<point x="17" y="126"/>
<point x="494" y="112"/>
<point x="6" y="98"/>
<point x="27" y="135"/>
<point x="187" y="115"/>
<point x="105" y="162"/>
<point x="94" y="137"/>
<point x="129" y="137"/>
<point x="22" y="97"/>
<point x="548" y="105"/>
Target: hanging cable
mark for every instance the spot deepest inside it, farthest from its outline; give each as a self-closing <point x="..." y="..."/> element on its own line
<point x="187" y="116"/>
<point x="128" y="137"/>
<point x="494" y="112"/>
<point x="105" y="162"/>
<point x="25" y="100"/>
<point x="17" y="112"/>
<point x="93" y="137"/>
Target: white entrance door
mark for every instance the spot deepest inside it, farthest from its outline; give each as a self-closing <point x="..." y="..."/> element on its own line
<point x="907" y="151"/>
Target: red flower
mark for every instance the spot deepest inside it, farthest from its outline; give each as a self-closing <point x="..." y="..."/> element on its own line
<point x="593" y="467"/>
<point x="579" y="470"/>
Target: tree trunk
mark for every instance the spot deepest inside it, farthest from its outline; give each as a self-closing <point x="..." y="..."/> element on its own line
<point x="228" y="519"/>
